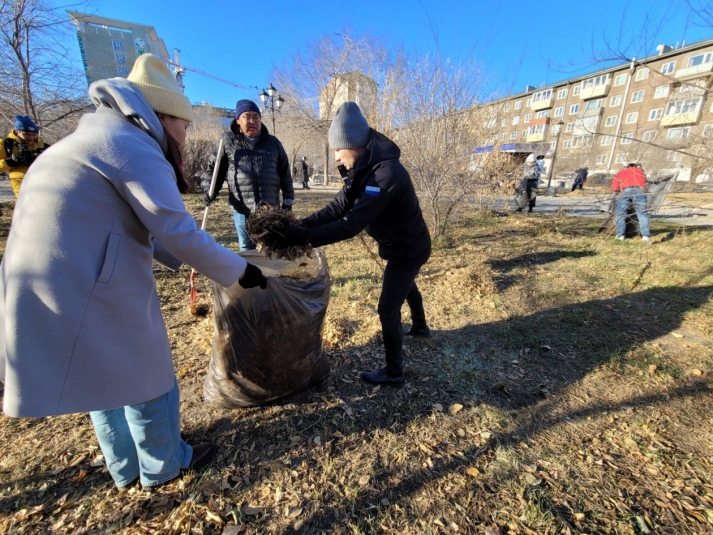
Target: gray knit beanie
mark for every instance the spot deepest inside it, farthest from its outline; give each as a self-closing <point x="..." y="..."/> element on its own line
<point x="349" y="128"/>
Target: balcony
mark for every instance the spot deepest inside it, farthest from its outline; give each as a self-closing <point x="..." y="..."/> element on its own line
<point x="538" y="136"/>
<point x="543" y="104"/>
<point x="697" y="71"/>
<point x="681" y="118"/>
<point x="534" y="138"/>
<point x="597" y="91"/>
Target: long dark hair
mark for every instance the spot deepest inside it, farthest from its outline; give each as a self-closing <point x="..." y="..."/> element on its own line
<point x="175" y="158"/>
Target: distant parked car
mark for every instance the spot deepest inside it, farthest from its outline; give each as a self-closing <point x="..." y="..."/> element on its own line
<point x="599" y="178"/>
<point x="564" y="180"/>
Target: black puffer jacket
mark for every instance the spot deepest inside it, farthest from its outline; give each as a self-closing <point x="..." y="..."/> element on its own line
<point x="255" y="174"/>
<point x="378" y="196"/>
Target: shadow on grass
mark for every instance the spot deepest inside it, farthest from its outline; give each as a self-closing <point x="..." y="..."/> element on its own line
<point x="556" y="347"/>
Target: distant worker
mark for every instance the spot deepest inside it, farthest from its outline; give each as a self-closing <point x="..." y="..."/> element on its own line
<point x="630" y="184"/>
<point x="541" y="163"/>
<point x="580" y="178"/>
<point x="305" y="173"/>
<point x="530" y="181"/>
<point x="256" y="167"/>
<point x="20" y="149"/>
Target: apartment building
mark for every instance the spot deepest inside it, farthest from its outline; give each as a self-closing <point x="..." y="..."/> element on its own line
<point x="109" y="47"/>
<point x="654" y="110"/>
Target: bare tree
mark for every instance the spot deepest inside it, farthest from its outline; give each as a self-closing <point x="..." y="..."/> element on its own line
<point x="37" y="75"/>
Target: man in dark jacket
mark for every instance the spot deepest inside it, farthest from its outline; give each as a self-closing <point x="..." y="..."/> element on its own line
<point x="256" y="167"/>
<point x="580" y="178"/>
<point x="305" y="173"/>
<point x="378" y="196"/>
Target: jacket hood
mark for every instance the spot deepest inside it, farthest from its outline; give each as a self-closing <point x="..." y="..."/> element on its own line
<point x="235" y="129"/>
<point x="380" y="148"/>
<point x="121" y="95"/>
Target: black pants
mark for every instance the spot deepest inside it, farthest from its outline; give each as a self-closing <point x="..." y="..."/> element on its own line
<point x="532" y="192"/>
<point x="399" y="286"/>
<point x="305" y="182"/>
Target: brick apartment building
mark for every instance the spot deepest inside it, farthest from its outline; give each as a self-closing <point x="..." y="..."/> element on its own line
<point x="655" y="110"/>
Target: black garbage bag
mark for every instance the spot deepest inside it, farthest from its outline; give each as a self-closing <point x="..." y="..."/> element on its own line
<point x="521" y="198"/>
<point x="268" y="343"/>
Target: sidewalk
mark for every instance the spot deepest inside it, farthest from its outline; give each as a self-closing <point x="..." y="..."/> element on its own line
<point x="6" y="193"/>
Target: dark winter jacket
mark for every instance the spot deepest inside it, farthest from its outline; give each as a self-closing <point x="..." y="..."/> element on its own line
<point x="377" y="196"/>
<point x="255" y="174"/>
<point x="581" y="175"/>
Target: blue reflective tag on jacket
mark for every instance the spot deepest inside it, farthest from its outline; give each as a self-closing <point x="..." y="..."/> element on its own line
<point x="372" y="190"/>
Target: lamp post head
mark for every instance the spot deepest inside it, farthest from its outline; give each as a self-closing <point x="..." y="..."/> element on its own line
<point x="263" y="96"/>
<point x="271" y="90"/>
<point x="279" y="102"/>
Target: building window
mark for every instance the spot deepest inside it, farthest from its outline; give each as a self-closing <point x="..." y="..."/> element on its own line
<point x="574" y="108"/>
<point x="529" y="102"/>
<point x="559" y="112"/>
<point x="503" y="123"/>
<point x="632" y="117"/>
<point x="619" y="79"/>
<point x="655" y="115"/>
<point x="594" y="104"/>
<point x="611" y="120"/>
<point x="576" y="89"/>
<point x="596" y="81"/>
<point x="606" y="140"/>
<point x="678" y="133"/>
<point x="621" y="158"/>
<point x="528" y="117"/>
<point x="626" y="139"/>
<point x="569" y="127"/>
<point x="518" y="105"/>
<point x="700" y="59"/>
<point x="637" y="96"/>
<point x="661" y="91"/>
<point x="689" y="105"/>
<point x="541" y="96"/>
<point x="516" y="120"/>
<point x="602" y="159"/>
<point x="562" y="93"/>
<point x="642" y="74"/>
<point x="615" y="101"/>
<point x="502" y="136"/>
<point x="506" y="107"/>
<point x="567" y="144"/>
<point x="120" y="58"/>
<point x="121" y="70"/>
<point x="649" y="135"/>
<point x="708" y="130"/>
<point x="537" y="129"/>
<point x="674" y="156"/>
<point x="117" y="44"/>
<point x="543" y="114"/>
<point x="513" y="134"/>
<point x="524" y="132"/>
<point x="667" y="68"/>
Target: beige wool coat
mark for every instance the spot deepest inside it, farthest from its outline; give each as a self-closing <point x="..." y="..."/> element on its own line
<point x="80" y="323"/>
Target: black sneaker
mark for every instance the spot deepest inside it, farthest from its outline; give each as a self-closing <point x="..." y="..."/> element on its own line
<point x="381" y="377"/>
<point x="420" y="332"/>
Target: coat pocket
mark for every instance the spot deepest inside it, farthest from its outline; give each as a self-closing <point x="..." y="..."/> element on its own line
<point x="112" y="250"/>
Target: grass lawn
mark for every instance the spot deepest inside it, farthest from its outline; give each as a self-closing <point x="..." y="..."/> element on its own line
<point x="567" y="389"/>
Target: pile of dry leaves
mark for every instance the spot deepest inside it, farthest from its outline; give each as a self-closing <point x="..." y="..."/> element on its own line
<point x="267" y="220"/>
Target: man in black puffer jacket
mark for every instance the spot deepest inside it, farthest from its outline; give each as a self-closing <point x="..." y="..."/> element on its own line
<point x="379" y="197"/>
<point x="256" y="167"/>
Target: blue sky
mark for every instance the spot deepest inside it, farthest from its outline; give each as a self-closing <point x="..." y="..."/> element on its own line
<point x="518" y="42"/>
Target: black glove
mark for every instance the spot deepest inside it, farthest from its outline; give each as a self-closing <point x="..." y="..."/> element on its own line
<point x="288" y="235"/>
<point x="11" y="162"/>
<point x="207" y="199"/>
<point x="253" y="277"/>
<point x="286" y="206"/>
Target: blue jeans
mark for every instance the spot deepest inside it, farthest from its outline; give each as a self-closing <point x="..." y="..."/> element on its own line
<point x="143" y="440"/>
<point x="246" y="244"/>
<point x="637" y="196"/>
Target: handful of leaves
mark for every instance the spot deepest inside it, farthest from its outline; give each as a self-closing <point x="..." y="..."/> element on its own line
<point x="265" y="221"/>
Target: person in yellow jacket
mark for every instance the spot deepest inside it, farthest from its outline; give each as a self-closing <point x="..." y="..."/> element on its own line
<point x="19" y="149"/>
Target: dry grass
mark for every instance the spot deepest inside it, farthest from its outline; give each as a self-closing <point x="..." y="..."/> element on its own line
<point x="554" y="398"/>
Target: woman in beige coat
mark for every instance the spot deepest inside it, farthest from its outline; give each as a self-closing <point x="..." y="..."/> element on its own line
<point x="80" y="323"/>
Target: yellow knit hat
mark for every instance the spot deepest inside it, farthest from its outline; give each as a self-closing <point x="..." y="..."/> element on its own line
<point x="159" y="87"/>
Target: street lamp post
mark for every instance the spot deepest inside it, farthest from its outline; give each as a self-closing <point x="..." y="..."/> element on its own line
<point x="556" y="130"/>
<point x="270" y="102"/>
